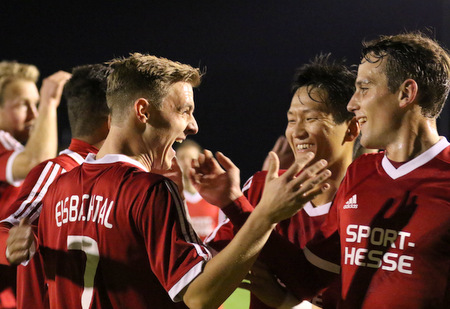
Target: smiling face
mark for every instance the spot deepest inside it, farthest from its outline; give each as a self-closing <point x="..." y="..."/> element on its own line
<point x="312" y="128"/>
<point x="18" y="110"/>
<point x="376" y="108"/>
<point x="171" y="123"/>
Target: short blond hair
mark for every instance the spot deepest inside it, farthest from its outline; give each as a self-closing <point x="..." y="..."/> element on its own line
<point x="13" y="70"/>
<point x="145" y="76"/>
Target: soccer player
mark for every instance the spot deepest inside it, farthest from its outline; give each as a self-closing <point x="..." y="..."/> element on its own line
<point x="204" y="216"/>
<point x="318" y="121"/>
<point x="113" y="234"/>
<point x="85" y="94"/>
<point x="389" y="225"/>
<point x="28" y="133"/>
<point x="22" y="122"/>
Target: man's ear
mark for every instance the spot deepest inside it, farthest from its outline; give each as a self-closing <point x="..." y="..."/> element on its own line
<point x="408" y="92"/>
<point x="352" y="130"/>
<point x="142" y="110"/>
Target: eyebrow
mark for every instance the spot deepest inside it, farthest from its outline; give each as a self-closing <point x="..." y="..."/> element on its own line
<point x="190" y="106"/>
<point x="362" y="82"/>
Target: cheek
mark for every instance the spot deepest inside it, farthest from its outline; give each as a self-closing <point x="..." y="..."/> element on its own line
<point x="16" y="117"/>
<point x="288" y="134"/>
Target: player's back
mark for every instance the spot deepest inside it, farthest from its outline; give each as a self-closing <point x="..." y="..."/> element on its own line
<point x="93" y="237"/>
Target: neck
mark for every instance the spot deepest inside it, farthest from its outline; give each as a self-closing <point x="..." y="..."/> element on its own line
<point x="412" y="140"/>
<point x="338" y="170"/>
<point x="188" y="186"/>
<point x="122" y="141"/>
<point x="92" y="140"/>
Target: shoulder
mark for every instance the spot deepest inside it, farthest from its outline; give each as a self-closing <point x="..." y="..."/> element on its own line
<point x="134" y="180"/>
<point x="444" y="156"/>
<point x="366" y="160"/>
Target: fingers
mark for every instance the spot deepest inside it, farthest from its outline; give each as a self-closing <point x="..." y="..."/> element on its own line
<point x="274" y="166"/>
<point x="19" y="242"/>
<point x="207" y="164"/>
<point x="56" y="83"/>
<point x="225" y="161"/>
<point x="23" y="221"/>
<point x="312" y="177"/>
<point x="298" y="166"/>
<point x="52" y="88"/>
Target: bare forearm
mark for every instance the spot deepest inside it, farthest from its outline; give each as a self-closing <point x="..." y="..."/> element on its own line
<point x="223" y="274"/>
<point x="41" y="145"/>
<point x="294" y="267"/>
<point x="43" y="141"/>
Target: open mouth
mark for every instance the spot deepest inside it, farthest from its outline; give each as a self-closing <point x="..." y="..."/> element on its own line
<point x="362" y="120"/>
<point x="304" y="146"/>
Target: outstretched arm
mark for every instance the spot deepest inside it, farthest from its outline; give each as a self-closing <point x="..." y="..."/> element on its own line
<point x="283" y="195"/>
<point x="43" y="141"/>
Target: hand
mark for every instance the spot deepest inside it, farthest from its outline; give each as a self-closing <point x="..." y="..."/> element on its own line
<point x="284" y="153"/>
<point x="19" y="242"/>
<point x="218" y="186"/>
<point x="264" y="285"/>
<point x="174" y="173"/>
<point x="52" y="88"/>
<point x="284" y="195"/>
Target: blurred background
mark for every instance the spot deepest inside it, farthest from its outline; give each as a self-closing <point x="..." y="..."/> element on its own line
<point x="249" y="49"/>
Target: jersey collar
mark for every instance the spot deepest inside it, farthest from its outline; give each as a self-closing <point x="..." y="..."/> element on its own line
<point x="114" y="158"/>
<point x="417" y="162"/>
<point x="315" y="211"/>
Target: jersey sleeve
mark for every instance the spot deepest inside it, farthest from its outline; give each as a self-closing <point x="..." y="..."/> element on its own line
<point x="4" y="233"/>
<point x="225" y="232"/>
<point x="9" y="149"/>
<point x="35" y="186"/>
<point x="6" y="162"/>
<point x="175" y="253"/>
<point x="29" y="203"/>
<point x="303" y="276"/>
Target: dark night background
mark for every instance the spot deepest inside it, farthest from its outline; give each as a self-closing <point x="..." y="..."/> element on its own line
<point x="250" y="50"/>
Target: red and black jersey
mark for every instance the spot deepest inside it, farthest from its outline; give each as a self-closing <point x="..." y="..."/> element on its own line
<point x="113" y="235"/>
<point x="31" y="288"/>
<point x="393" y="254"/>
<point x="9" y="188"/>
<point x="298" y="229"/>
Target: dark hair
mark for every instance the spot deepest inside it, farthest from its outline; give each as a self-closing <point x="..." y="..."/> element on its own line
<point x="85" y="93"/>
<point x="331" y="76"/>
<point x="418" y="57"/>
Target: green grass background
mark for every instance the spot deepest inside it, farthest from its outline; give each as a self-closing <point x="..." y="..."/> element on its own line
<point x="240" y="299"/>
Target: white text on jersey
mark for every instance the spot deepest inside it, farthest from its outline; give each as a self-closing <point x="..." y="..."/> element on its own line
<point x="71" y="209"/>
<point x="376" y="258"/>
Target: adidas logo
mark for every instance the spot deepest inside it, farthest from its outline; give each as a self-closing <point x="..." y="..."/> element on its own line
<point x="351" y="203"/>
